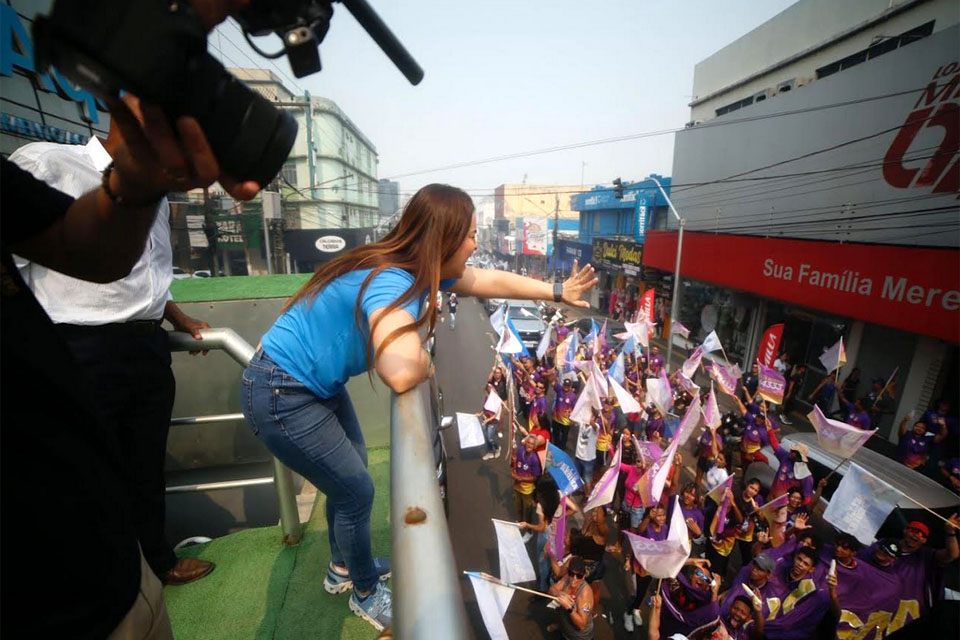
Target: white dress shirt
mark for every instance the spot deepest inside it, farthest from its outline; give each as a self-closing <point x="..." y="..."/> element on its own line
<point x="143" y="294"/>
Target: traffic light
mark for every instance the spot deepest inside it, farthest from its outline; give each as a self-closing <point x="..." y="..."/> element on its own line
<point x="618" y="188"/>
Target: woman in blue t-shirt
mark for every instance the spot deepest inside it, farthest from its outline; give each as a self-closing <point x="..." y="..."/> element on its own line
<point x="365" y="308"/>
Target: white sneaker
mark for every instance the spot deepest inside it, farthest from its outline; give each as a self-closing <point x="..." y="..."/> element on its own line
<point x="489" y="455"/>
<point x="636" y="618"/>
<point x="628" y="621"/>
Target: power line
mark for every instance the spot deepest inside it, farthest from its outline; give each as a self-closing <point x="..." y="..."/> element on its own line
<point x="648" y="134"/>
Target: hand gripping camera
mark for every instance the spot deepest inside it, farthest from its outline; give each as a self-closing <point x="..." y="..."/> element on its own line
<point x="157" y="50"/>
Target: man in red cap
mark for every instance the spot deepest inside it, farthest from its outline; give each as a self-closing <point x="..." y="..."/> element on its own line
<point x="918" y="565"/>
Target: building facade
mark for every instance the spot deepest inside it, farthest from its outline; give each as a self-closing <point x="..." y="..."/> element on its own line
<point x="613" y="224"/>
<point x="818" y="180"/>
<point x="389" y="197"/>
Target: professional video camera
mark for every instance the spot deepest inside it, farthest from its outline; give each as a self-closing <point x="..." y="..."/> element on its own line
<point x="157" y="50"/>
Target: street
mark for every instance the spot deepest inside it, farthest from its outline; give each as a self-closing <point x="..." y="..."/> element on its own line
<point x="481" y="490"/>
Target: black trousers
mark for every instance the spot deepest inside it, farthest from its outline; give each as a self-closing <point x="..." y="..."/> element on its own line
<point x="559" y="433"/>
<point x="128" y="366"/>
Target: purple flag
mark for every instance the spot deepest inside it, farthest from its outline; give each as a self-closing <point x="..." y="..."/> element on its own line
<point x="839" y="438"/>
<point x="559" y="531"/>
<point x="689" y="422"/>
<point x="724" y="377"/>
<point x="711" y="412"/>
<point x="795" y="609"/>
<point x="718" y="524"/>
<point x="771" y="385"/>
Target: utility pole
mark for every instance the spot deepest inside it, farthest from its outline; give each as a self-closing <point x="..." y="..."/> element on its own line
<point x="556" y="227"/>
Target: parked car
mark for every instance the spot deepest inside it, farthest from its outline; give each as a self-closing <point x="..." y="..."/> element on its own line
<point x="179" y="274"/>
<point x="525" y="316"/>
<point x="906" y="481"/>
<point x="491" y="304"/>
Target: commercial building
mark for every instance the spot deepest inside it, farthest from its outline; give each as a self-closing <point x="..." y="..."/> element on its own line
<point x="389" y="197"/>
<point x="614" y="221"/>
<point x="531" y="210"/>
<point x="818" y="179"/>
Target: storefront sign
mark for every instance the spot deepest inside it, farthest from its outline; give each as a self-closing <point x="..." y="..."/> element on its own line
<point x="913" y="289"/>
<point x="32" y="129"/>
<point x="311" y="246"/>
<point x="330" y="244"/>
<point x="16" y="52"/>
<point x="617" y="254"/>
<point x="236" y="231"/>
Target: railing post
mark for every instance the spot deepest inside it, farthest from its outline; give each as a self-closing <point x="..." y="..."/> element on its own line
<point x="240" y="350"/>
<point x="427" y="602"/>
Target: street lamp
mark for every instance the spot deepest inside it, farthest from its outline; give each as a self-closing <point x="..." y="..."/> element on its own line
<point x="676" y="271"/>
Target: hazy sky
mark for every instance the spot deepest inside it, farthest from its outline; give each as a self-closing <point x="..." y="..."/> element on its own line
<point x="507" y="77"/>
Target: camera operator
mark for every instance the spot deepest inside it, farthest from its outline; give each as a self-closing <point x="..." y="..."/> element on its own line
<point x="77" y="571"/>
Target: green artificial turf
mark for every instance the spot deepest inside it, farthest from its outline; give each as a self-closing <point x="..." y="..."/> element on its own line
<point x="261" y="589"/>
<point x="236" y="287"/>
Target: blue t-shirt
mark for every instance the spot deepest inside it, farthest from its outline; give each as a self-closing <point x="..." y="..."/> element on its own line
<point x="317" y="341"/>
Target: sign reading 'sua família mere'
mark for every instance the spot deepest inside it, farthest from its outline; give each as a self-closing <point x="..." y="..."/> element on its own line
<point x="617" y="253"/>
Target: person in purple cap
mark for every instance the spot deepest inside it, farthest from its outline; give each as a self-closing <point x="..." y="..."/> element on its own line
<point x="565" y="398"/>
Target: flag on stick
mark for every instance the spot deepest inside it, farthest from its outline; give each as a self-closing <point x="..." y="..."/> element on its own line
<point x="626" y="401"/>
<point x="603" y="491"/>
<point x="561" y="467"/>
<point x="716" y="494"/>
<point x="689" y="366"/>
<point x="493" y="600"/>
<point x="653" y="480"/>
<point x="493" y="404"/>
<point x="687" y="384"/>
<point x="617" y="369"/>
<point x="515" y="565"/>
<point x="497" y="319"/>
<point x="663" y="558"/>
<point x="712" y="342"/>
<point x="860" y="504"/>
<point x="509" y="341"/>
<point x="771" y="384"/>
<point x="834" y="357"/>
<point x="769" y="511"/>
<point x="690" y="421"/>
<point x="545" y="341"/>
<point x="676" y="327"/>
<point x="471" y="434"/>
<point x="559" y="531"/>
<point x="516" y="336"/>
<point x="837" y="437"/>
<point x="724" y="377"/>
<point x="711" y="412"/>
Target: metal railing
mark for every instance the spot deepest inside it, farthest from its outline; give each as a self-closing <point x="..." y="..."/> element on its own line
<point x="233" y="345"/>
<point x="427" y="602"/>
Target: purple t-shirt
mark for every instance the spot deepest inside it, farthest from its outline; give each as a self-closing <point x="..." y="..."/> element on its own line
<point x="912" y="450"/>
<point x="694" y="513"/>
<point x="655" y="426"/>
<point x="796" y="607"/>
<point x="563" y="404"/>
<point x="653" y="534"/>
<point x="859" y="419"/>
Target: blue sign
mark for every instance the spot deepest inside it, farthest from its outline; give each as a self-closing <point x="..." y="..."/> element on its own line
<point x="31" y="129"/>
<point x="16" y="52"/>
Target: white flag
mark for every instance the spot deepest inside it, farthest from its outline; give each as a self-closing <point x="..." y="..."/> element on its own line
<point x="627" y="402"/>
<point x="498" y="319"/>
<point x="515" y="565"/>
<point x="690" y="421"/>
<point x="690" y="365"/>
<point x="640" y="331"/>
<point x="607" y="485"/>
<point x="712" y="342"/>
<point x="493" y="600"/>
<point x="545" y="341"/>
<point x="659" y="395"/>
<point x="839" y="438"/>
<point x="860" y="504"/>
<point x="588" y="399"/>
<point x="471" y="435"/>
<point x="676" y="327"/>
<point x="493" y="404"/>
<point x="834" y="357"/>
<point x="509" y="342"/>
<point x="711" y="412"/>
<point x="664" y="558"/>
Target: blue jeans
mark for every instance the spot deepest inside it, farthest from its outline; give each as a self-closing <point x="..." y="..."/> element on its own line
<point x="584" y="468"/>
<point x="543" y="564"/>
<point x="320" y="439"/>
<point x="490" y="434"/>
<point x="636" y="514"/>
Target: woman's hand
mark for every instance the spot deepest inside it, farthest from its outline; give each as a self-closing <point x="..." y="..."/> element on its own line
<point x="579" y="282"/>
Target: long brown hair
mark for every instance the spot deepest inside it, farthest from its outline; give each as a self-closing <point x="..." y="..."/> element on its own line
<point x="434" y="224"/>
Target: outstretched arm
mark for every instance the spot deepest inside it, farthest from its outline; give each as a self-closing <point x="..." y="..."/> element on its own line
<point x="489" y="283"/>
